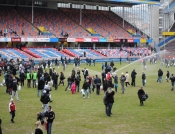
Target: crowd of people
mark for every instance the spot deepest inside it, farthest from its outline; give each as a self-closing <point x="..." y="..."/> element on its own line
<point x="16" y="72"/>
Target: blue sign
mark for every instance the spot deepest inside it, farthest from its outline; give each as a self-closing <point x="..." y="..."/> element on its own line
<point x="54" y="40"/>
<point x="102" y="40"/>
<point x="137" y="40"/>
<point x="149" y="40"/>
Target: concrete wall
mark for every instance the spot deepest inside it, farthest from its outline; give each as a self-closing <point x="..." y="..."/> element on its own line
<point x="40" y="44"/>
<point x="52" y="5"/>
<point x="154" y="17"/>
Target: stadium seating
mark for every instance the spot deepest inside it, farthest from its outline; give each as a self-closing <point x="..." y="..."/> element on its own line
<point x="11" y="53"/>
<point x="55" y="22"/>
<point x="45" y="53"/>
<point x="119" y="21"/>
<point x="98" y="22"/>
<point x="12" y="21"/>
<point x="125" y="51"/>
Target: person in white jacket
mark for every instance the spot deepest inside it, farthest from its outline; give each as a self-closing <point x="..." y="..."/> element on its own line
<point x="127" y="79"/>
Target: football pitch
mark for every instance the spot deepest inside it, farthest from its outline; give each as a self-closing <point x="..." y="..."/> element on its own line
<point x="75" y="115"/>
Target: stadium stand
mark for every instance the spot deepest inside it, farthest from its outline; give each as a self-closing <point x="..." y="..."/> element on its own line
<point x="55" y="22"/>
<point x="12" y="24"/>
<point x="98" y="22"/>
<point x="11" y="53"/>
<point x="125" y="51"/>
<point x="45" y="52"/>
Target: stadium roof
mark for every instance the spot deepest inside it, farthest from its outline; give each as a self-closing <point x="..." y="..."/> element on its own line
<point x="112" y="3"/>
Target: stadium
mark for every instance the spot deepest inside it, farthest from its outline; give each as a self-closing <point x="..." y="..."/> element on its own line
<point x="59" y="41"/>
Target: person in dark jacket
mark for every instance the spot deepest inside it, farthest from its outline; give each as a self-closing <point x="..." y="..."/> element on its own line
<point x="61" y="78"/>
<point x="115" y="82"/>
<point x="167" y="76"/>
<point x="85" y="73"/>
<point x="85" y="88"/>
<point x="109" y="101"/>
<point x="105" y="85"/>
<point x="69" y="83"/>
<point x="143" y="78"/>
<point x="77" y="82"/>
<point x="50" y="116"/>
<point x="133" y="76"/>
<point x="55" y="81"/>
<point x="172" y="78"/>
<point x="41" y="84"/>
<point x="98" y="84"/>
<point x="14" y="89"/>
<point x="45" y="99"/>
<point x="22" y="77"/>
<point x="160" y="74"/>
<point x="140" y="94"/>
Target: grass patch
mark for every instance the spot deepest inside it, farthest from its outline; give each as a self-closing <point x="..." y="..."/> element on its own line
<point x="75" y="115"/>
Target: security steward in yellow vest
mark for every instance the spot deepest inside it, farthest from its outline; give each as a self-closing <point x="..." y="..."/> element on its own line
<point x="34" y="77"/>
<point x="28" y="79"/>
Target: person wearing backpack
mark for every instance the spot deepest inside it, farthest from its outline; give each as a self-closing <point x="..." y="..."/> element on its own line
<point x="45" y="99"/>
<point x="122" y="81"/>
<point x="108" y="101"/>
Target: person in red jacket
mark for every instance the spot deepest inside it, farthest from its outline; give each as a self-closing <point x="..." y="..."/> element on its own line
<point x="12" y="109"/>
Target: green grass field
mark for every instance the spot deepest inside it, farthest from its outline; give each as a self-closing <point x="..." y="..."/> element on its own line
<point x="75" y="115"/>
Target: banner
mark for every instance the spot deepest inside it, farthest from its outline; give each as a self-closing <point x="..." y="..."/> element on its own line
<point x="62" y="39"/>
<point x="79" y="39"/>
<point x="102" y="40"/>
<point x="35" y="39"/>
<point x="87" y="39"/>
<point x="71" y="40"/>
<point x="110" y="40"/>
<point x="16" y="39"/>
<point x="117" y="40"/>
<point x="137" y="40"/>
<point x="136" y="36"/>
<point x="5" y="39"/>
<point x="54" y="40"/>
<point x="142" y="40"/>
<point x="130" y="40"/>
<point x="95" y="39"/>
<point x="124" y="40"/>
